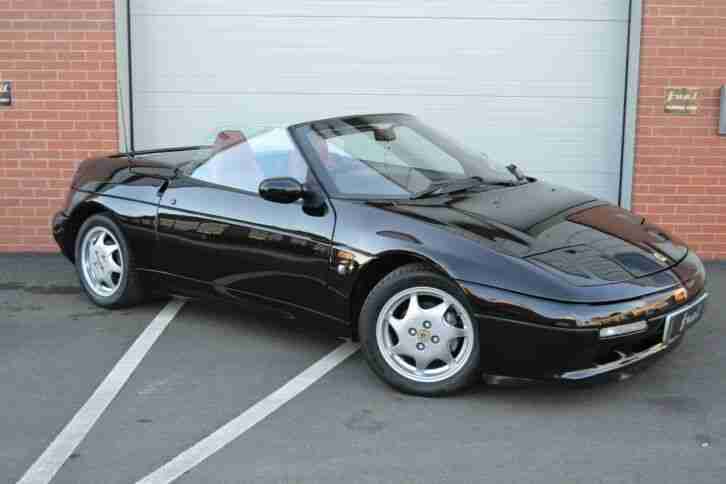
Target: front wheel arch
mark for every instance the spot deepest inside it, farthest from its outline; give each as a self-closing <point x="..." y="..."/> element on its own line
<point x="441" y="380"/>
<point x="374" y="271"/>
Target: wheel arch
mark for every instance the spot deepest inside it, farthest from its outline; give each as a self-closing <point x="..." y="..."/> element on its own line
<point x="376" y="269"/>
<point x="76" y="219"/>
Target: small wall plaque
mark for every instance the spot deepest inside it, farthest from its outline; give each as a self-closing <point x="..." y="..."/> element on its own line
<point x="681" y="100"/>
<point x="6" y="93"/>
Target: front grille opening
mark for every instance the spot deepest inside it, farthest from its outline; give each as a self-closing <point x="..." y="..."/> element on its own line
<point x="613" y="351"/>
<point x="608" y="357"/>
<point x="648" y="342"/>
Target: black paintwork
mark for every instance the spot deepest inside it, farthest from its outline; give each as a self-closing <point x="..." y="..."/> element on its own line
<point x="543" y="266"/>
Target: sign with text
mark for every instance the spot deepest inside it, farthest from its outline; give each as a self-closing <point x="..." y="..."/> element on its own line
<point x="681" y="100"/>
<point x="6" y="93"/>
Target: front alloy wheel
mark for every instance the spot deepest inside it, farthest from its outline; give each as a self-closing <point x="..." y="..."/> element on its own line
<point x="424" y="334"/>
<point x="417" y="332"/>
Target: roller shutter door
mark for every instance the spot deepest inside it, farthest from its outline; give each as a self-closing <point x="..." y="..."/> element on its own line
<point x="537" y="82"/>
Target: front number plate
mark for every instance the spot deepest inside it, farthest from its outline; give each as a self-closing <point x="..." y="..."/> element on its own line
<point x="677" y="322"/>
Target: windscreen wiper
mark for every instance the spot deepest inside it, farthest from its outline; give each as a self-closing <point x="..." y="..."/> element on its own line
<point x="463" y="184"/>
<point x="517" y="173"/>
<point x="448" y="186"/>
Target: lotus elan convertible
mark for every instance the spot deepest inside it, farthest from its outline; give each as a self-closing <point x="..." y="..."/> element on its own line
<point x="442" y="265"/>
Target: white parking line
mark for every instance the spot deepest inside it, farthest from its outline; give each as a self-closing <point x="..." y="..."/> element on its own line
<point x="211" y="444"/>
<point x="51" y="460"/>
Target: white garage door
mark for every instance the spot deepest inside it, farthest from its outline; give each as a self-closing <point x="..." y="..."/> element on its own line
<point x="537" y="82"/>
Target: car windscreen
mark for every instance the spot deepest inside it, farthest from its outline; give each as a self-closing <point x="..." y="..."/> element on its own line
<point x="390" y="156"/>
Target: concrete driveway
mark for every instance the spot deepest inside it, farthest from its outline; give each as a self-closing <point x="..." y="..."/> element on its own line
<point x="665" y="423"/>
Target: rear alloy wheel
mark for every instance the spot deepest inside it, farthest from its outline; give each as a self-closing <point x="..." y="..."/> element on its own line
<point x="105" y="264"/>
<point x="422" y="339"/>
<point x="102" y="261"/>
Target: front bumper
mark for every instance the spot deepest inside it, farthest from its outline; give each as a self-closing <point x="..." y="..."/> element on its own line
<point x="624" y="360"/>
<point x="527" y="337"/>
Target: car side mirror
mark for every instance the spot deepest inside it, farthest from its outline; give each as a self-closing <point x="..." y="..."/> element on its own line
<point x="281" y="190"/>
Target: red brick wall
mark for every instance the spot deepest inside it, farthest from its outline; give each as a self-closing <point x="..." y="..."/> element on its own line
<point x="61" y="55"/>
<point x="680" y="167"/>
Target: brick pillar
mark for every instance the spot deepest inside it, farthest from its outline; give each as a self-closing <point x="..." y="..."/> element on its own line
<point x="61" y="56"/>
<point x="680" y="167"/>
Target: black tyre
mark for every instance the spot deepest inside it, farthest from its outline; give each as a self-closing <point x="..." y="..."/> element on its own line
<point x="419" y="334"/>
<point x="105" y="264"/>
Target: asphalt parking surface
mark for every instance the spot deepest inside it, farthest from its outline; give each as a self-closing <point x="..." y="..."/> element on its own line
<point x="665" y="423"/>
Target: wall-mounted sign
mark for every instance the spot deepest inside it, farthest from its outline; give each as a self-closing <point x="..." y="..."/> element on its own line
<point x="6" y="93"/>
<point x="681" y="100"/>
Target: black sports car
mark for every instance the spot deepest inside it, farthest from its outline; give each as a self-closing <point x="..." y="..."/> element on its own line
<point x="443" y="266"/>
